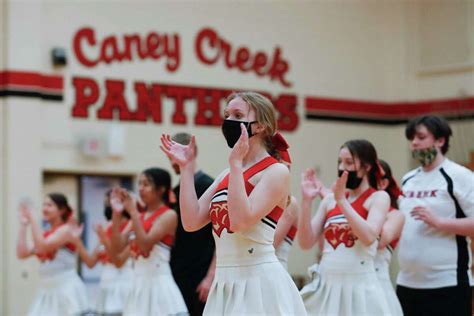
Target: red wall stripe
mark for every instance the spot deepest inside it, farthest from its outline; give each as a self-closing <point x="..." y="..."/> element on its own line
<point x="328" y="106"/>
<point x="30" y="80"/>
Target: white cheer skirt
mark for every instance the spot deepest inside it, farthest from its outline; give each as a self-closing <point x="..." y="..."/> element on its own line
<point x="383" y="275"/>
<point x="114" y="288"/>
<point x="341" y="288"/>
<point x="154" y="292"/>
<point x="260" y="289"/>
<point x="59" y="295"/>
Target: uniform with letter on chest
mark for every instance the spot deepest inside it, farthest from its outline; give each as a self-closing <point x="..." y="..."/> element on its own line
<point x="430" y="258"/>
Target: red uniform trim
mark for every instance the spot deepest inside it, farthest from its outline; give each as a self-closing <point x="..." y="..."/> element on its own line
<point x="292" y="232"/>
<point x="50" y="255"/>
<point x="147" y="225"/>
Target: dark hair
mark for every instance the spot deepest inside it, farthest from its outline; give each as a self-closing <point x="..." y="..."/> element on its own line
<point x="61" y="202"/>
<point x="392" y="189"/>
<point x="436" y="125"/>
<point x="160" y="178"/>
<point x="366" y="153"/>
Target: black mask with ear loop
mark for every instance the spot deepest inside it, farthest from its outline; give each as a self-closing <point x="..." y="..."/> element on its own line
<point x="231" y="130"/>
<point x="353" y="181"/>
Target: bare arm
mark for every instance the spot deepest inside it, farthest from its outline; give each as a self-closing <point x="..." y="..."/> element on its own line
<point x="311" y="229"/>
<point x="194" y="212"/>
<point x="367" y="230"/>
<point x="89" y="259"/>
<point x="286" y="221"/>
<point x="245" y="211"/>
<point x="22" y="249"/>
<point x="56" y="240"/>
<point x="392" y="228"/>
<point x="119" y="259"/>
<point x="458" y="226"/>
<point x="205" y="284"/>
<point x="164" y="225"/>
<point x="118" y="240"/>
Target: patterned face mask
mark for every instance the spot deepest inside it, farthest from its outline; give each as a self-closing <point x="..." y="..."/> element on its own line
<point x="425" y="156"/>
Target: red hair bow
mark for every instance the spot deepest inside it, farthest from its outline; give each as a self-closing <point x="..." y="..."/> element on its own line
<point x="281" y="146"/>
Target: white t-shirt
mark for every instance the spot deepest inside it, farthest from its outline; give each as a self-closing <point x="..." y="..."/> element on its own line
<point x="430" y="258"/>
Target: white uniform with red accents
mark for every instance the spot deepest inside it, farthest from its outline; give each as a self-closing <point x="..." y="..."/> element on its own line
<point x="115" y="283"/>
<point x="249" y="279"/>
<point x="346" y="282"/>
<point x="283" y="251"/>
<point x="61" y="291"/>
<point x="382" y="269"/>
<point x="154" y="291"/>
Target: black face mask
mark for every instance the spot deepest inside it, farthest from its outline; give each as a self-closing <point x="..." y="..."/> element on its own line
<point x="108" y="212"/>
<point x="231" y="130"/>
<point x="353" y="181"/>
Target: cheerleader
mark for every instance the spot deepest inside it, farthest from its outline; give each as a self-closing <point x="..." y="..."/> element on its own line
<point x="391" y="231"/>
<point x="150" y="236"/>
<point x="116" y="276"/>
<point x="243" y="204"/>
<point x="61" y="290"/>
<point x="351" y="220"/>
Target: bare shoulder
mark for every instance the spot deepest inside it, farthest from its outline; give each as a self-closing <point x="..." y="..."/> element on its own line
<point x="277" y="170"/>
<point x="380" y="195"/>
<point x="221" y="175"/>
<point x="169" y="214"/>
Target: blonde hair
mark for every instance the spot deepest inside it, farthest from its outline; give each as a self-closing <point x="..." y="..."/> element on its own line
<point x="265" y="115"/>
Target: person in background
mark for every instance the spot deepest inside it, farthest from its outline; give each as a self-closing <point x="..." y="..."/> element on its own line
<point x="116" y="275"/>
<point x="351" y="221"/>
<point x="192" y="255"/>
<point x="391" y="231"/>
<point x="150" y="236"/>
<point x="61" y="291"/>
<point x="438" y="203"/>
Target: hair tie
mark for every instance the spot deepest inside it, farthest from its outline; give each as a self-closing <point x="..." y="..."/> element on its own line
<point x="395" y="190"/>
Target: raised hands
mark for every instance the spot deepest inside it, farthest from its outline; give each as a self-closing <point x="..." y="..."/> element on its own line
<point x="116" y="200"/>
<point x="310" y="185"/>
<point x="422" y="213"/>
<point x="180" y="154"/>
<point x="25" y="212"/>
<point x="240" y="148"/>
<point x="100" y="231"/>
<point x="121" y="199"/>
<point x="76" y="233"/>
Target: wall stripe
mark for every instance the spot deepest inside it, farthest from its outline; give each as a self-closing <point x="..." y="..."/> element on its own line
<point x="386" y="112"/>
<point x="31" y="85"/>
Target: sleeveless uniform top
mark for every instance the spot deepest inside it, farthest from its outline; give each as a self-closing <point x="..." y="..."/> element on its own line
<point x="103" y="256"/>
<point x="255" y="244"/>
<point x="384" y="256"/>
<point x="283" y="251"/>
<point x="160" y="253"/>
<point x="339" y="241"/>
<point x="55" y="262"/>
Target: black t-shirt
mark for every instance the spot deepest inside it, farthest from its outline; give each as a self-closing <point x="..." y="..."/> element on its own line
<point x="192" y="251"/>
